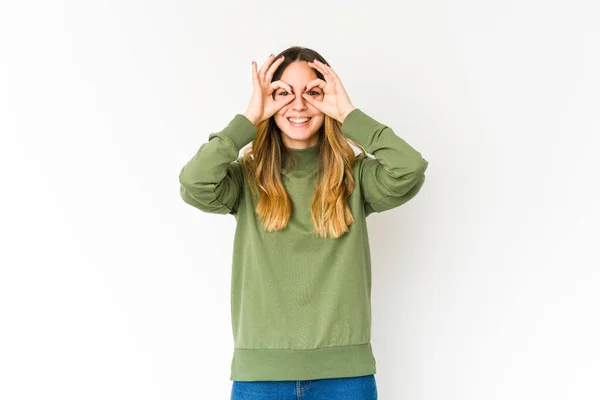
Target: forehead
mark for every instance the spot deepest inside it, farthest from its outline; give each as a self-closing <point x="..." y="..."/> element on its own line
<point x="298" y="73"/>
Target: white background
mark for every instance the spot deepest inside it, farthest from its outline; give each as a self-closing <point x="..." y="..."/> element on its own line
<point x="485" y="286"/>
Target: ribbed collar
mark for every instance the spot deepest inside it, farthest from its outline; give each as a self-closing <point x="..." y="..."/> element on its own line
<point x="306" y="159"/>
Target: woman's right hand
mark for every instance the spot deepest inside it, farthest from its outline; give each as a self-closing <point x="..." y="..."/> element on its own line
<point x="262" y="105"/>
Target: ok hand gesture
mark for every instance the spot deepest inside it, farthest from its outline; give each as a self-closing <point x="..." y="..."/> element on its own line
<point x="262" y="105"/>
<point x="336" y="102"/>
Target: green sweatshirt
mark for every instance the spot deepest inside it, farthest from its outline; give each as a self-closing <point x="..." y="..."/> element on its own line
<point x="301" y="305"/>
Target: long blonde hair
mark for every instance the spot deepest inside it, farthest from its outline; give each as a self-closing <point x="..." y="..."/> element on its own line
<point x="264" y="160"/>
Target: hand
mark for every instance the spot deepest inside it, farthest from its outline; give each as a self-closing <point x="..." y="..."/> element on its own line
<point x="336" y="102"/>
<point x="262" y="105"/>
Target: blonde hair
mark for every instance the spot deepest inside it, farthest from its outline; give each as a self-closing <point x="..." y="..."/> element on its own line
<point x="263" y="162"/>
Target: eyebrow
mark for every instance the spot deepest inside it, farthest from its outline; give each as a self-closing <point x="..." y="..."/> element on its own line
<point x="313" y="88"/>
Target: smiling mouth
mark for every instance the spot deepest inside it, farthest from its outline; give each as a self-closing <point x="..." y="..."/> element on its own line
<point x="299" y="121"/>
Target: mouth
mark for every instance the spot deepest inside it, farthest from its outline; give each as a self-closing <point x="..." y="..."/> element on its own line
<point x="298" y="122"/>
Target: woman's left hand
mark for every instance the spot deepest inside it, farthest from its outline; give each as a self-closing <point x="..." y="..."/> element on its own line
<point x="336" y="102"/>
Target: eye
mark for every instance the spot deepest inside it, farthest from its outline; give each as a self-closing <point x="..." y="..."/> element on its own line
<point x="283" y="93"/>
<point x="316" y="93"/>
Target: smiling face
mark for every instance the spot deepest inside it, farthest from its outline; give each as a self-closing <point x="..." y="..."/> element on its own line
<point x="300" y="133"/>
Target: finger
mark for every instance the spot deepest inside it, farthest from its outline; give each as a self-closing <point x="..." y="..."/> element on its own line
<point x="273" y="68"/>
<point x="319" y="67"/>
<point x="281" y="84"/>
<point x="332" y="73"/>
<point x="255" y="74"/>
<point x="287" y="99"/>
<point x="310" y="100"/>
<point x="316" y="82"/>
<point x="280" y="103"/>
<point x="264" y="67"/>
<point x="327" y="73"/>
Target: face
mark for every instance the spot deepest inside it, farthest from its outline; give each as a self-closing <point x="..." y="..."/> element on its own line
<point x="299" y="135"/>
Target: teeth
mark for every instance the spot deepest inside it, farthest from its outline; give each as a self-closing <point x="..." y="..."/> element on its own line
<point x="298" y="121"/>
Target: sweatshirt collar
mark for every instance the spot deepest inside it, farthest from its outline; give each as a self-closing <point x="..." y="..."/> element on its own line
<point x="306" y="159"/>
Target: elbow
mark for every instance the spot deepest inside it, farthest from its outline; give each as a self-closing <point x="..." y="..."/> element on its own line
<point x="410" y="182"/>
<point x="204" y="201"/>
<point x="421" y="168"/>
<point x="418" y="175"/>
<point x="191" y="192"/>
<point x="417" y="172"/>
<point x="186" y="181"/>
<point x="187" y="195"/>
<point x="191" y="189"/>
<point x="203" y="197"/>
<point x="413" y="183"/>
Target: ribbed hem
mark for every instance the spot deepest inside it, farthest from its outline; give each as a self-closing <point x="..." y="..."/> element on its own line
<point x="292" y="364"/>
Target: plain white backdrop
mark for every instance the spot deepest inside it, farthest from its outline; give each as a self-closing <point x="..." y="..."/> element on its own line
<point x="485" y="286"/>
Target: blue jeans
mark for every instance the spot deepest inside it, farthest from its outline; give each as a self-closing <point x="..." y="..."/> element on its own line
<point x="353" y="388"/>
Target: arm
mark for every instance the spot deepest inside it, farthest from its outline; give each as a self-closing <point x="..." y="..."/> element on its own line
<point x="397" y="172"/>
<point x="212" y="180"/>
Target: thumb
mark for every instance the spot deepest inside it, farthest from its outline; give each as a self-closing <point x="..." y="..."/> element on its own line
<point x="280" y="103"/>
<point x="312" y="101"/>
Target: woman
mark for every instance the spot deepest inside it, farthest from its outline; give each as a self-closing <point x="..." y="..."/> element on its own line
<point x="301" y="274"/>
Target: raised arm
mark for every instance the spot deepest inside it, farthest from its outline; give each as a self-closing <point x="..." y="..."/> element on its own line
<point x="397" y="172"/>
<point x="212" y="180"/>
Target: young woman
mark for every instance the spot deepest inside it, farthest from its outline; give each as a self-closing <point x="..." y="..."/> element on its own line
<point x="301" y="273"/>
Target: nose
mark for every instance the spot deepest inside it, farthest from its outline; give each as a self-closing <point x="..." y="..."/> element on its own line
<point x="299" y="103"/>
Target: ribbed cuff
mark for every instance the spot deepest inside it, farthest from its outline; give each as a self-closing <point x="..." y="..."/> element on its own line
<point x="240" y="131"/>
<point x="358" y="126"/>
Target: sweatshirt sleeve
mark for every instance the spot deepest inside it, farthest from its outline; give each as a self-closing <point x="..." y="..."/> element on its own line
<point x="397" y="172"/>
<point x="212" y="180"/>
